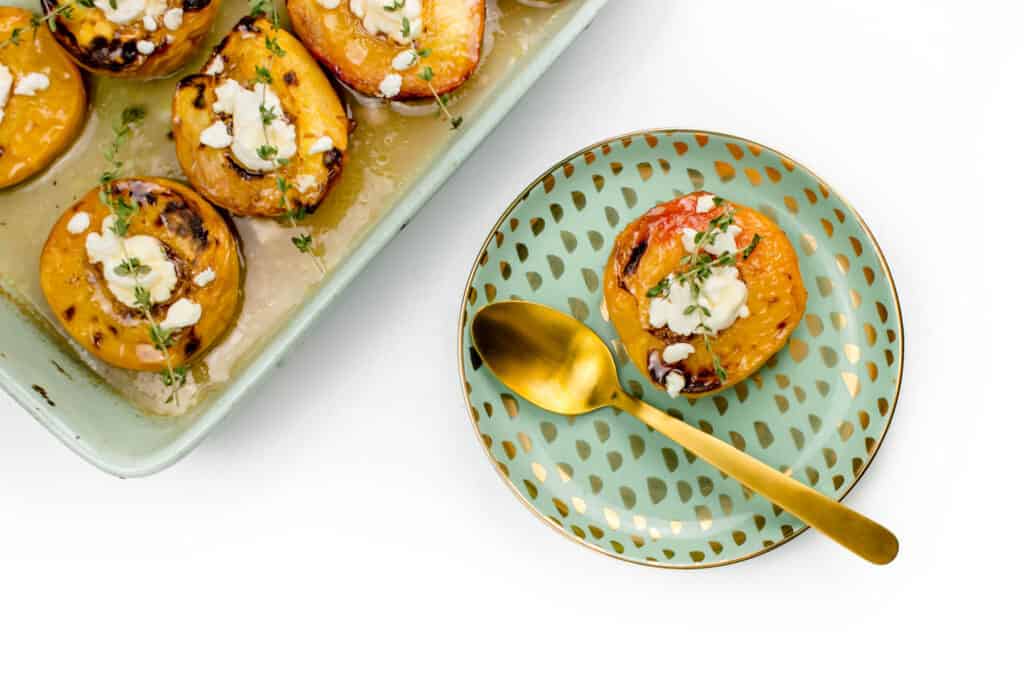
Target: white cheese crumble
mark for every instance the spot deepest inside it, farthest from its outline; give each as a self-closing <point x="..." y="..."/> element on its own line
<point x="721" y="243"/>
<point x="675" y="382"/>
<point x="402" y="24"/>
<point x="204" y="278"/>
<point x="705" y="203"/>
<point x="145" y="47"/>
<point x="173" y="18"/>
<point x="216" y="66"/>
<point x="216" y="136"/>
<point x="305" y="182"/>
<point x="403" y="60"/>
<point x="110" y="249"/>
<point x="723" y="294"/>
<point x="321" y="144"/>
<point x="149" y="23"/>
<point x="32" y="83"/>
<point x="6" y="81"/>
<point x="674" y="353"/>
<point x="79" y="223"/>
<point x="249" y="133"/>
<point x="182" y="313"/>
<point x="329" y="4"/>
<point x="391" y="85"/>
<point x="127" y="11"/>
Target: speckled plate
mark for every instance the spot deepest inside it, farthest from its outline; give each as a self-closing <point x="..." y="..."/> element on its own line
<point x="818" y="410"/>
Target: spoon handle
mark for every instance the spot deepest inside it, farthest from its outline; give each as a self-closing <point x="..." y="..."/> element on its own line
<point x="847" y="527"/>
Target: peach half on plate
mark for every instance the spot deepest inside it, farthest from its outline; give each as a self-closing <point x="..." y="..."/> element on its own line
<point x="183" y="253"/>
<point x="702" y="292"/>
<point x="42" y="98"/>
<point x="131" y="38"/>
<point x="260" y="131"/>
<point x="382" y="48"/>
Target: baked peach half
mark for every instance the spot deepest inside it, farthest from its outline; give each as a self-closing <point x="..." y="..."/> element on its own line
<point x="42" y="98"/>
<point x="702" y="292"/>
<point x="382" y="47"/>
<point x="131" y="38"/>
<point x="260" y="132"/>
<point x="177" y="254"/>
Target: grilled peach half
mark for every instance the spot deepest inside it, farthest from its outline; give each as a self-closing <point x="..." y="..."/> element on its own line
<point x="192" y="236"/>
<point x="651" y="248"/>
<point x="38" y="123"/>
<point x="307" y="102"/>
<point x="147" y="40"/>
<point x="449" y="45"/>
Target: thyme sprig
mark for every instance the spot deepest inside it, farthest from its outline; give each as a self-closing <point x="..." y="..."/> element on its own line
<point x="64" y="10"/>
<point x="13" y="39"/>
<point x="697" y="268"/>
<point x="427" y="74"/>
<point x="305" y="242"/>
<point x="123" y="210"/>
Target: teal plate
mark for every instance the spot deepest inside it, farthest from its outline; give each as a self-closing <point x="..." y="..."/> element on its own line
<point x="818" y="410"/>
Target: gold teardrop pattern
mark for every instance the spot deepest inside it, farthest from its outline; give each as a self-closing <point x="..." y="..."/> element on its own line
<point x="667" y="509"/>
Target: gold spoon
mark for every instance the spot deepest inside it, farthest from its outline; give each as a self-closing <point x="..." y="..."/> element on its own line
<point x="561" y="365"/>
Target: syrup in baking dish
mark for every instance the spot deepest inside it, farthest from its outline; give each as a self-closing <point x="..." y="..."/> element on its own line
<point x="392" y="145"/>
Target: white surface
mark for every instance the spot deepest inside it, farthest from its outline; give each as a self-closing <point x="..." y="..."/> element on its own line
<point x="345" y="524"/>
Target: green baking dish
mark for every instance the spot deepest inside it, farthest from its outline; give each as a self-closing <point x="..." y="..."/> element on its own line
<point x="50" y="379"/>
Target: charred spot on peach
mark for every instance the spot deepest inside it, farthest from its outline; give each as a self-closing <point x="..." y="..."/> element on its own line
<point x="176" y="249"/>
<point x="702" y="292"/>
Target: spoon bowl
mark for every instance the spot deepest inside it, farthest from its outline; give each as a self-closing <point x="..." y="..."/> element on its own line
<point x="546" y="356"/>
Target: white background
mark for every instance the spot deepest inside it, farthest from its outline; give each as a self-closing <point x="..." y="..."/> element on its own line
<point x="344" y="523"/>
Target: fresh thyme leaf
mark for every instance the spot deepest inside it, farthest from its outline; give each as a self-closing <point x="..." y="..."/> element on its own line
<point x="161" y="338"/>
<point x="749" y="249"/>
<point x="657" y="289"/>
<point x="13" y="39"/>
<point x="264" y="7"/>
<point x="274" y="47"/>
<point x="143" y="301"/>
<point x="133" y="114"/>
<point x="263" y="75"/>
<point x="132" y="266"/>
<point x="456" y="122"/>
<point x="722" y="222"/>
<point x="719" y="370"/>
<point x="406" y="27"/>
<point x="266" y="152"/>
<point x="718" y="201"/>
<point x="428" y="75"/>
<point x="394" y="6"/>
<point x="303" y="243"/>
<point x="424" y="53"/>
<point x="267" y="114"/>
